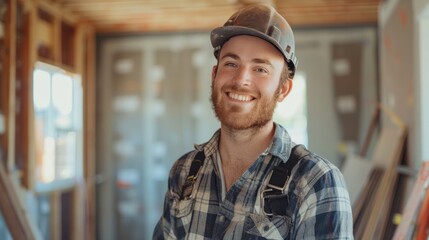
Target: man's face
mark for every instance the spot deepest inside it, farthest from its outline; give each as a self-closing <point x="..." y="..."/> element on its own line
<point x="246" y="83"/>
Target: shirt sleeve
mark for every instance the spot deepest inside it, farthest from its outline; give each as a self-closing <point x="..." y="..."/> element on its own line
<point x="325" y="212"/>
<point x="165" y="228"/>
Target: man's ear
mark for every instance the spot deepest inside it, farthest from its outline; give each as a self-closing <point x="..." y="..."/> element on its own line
<point x="214" y="72"/>
<point x="285" y="89"/>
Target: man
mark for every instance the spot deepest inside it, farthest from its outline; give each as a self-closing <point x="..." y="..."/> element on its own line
<point x="250" y="181"/>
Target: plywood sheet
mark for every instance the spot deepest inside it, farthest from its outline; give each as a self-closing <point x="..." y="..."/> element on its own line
<point x="356" y="171"/>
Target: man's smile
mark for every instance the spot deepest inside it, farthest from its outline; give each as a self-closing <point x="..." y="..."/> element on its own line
<point x="240" y="97"/>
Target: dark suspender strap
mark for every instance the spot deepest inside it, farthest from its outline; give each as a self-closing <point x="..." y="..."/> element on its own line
<point x="274" y="200"/>
<point x="192" y="175"/>
<point x="281" y="173"/>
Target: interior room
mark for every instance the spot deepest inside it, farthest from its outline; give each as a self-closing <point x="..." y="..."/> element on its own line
<point x="99" y="98"/>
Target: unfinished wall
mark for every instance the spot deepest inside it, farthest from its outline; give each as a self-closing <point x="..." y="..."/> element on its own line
<point x="421" y="50"/>
<point x="154" y="105"/>
<point x="399" y="65"/>
<point x="342" y="85"/>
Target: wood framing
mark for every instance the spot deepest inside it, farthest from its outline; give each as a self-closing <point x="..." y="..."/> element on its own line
<point x="26" y="119"/>
<point x="4" y="88"/>
<point x="85" y="64"/>
<point x="13" y="213"/>
<point x="7" y="139"/>
<point x="89" y="130"/>
<point x="144" y="16"/>
<point x="20" y="148"/>
<point x="55" y="202"/>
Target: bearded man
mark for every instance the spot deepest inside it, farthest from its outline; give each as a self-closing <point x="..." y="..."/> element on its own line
<point x="250" y="181"/>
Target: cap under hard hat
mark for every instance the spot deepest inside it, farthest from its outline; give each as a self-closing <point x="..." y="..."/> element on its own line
<point x="261" y="21"/>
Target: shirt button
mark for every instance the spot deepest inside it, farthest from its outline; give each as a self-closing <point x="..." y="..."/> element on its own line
<point x="221" y="218"/>
<point x="266" y="228"/>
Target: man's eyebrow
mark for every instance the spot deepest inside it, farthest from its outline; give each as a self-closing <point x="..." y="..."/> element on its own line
<point x="256" y="60"/>
<point x="263" y="61"/>
<point x="231" y="55"/>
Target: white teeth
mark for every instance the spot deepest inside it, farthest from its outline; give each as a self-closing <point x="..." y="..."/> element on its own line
<point x="238" y="97"/>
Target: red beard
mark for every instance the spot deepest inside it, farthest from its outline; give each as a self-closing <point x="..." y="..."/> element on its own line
<point x="233" y="116"/>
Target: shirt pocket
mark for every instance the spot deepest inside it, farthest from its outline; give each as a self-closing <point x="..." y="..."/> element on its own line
<point x="262" y="227"/>
<point x="181" y="213"/>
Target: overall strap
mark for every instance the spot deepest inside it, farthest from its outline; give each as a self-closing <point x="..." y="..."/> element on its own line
<point x="192" y="175"/>
<point x="274" y="199"/>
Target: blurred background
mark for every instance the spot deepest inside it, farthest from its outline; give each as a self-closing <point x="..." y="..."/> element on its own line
<point x="98" y="98"/>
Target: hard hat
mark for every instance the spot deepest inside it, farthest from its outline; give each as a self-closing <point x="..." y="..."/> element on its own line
<point x="261" y="21"/>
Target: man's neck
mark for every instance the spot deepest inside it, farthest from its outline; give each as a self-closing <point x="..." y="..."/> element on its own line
<point x="244" y="146"/>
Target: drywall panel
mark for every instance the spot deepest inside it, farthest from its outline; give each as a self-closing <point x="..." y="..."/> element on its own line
<point x="314" y="51"/>
<point x="397" y="68"/>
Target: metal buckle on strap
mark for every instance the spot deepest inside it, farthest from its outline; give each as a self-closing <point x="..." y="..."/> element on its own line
<point x="264" y="198"/>
<point x="270" y="191"/>
<point x="279" y="188"/>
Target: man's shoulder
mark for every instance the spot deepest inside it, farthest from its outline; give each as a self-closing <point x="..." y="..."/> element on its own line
<point x="180" y="169"/>
<point x="184" y="162"/>
<point x="318" y="163"/>
<point x="312" y="168"/>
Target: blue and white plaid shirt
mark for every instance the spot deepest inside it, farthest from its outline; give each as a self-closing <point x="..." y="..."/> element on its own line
<point x="319" y="205"/>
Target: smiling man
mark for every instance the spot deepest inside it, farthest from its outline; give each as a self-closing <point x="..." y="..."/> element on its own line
<point x="250" y="181"/>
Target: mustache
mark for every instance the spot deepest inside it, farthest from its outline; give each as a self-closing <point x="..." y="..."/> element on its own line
<point x="237" y="88"/>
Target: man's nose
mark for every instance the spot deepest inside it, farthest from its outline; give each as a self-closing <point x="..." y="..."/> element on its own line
<point x="243" y="76"/>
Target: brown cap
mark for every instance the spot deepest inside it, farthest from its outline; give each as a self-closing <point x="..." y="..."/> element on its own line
<point x="261" y="21"/>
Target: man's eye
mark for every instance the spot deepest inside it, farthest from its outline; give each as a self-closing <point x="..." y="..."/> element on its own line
<point x="230" y="64"/>
<point x="261" y="70"/>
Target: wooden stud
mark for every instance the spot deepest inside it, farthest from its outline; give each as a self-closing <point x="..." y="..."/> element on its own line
<point x="78" y="213"/>
<point x="89" y="131"/>
<point x="4" y="89"/>
<point x="11" y="209"/>
<point x="27" y="145"/>
<point x="56" y="45"/>
<point x="55" y="225"/>
<point x="78" y="45"/>
<point x="79" y="190"/>
<point x="8" y="87"/>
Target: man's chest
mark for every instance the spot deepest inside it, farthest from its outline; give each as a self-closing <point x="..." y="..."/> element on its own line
<point x="232" y="173"/>
<point x="237" y="216"/>
<point x="202" y="219"/>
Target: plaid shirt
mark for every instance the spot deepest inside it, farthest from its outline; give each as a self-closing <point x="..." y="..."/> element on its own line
<point x="319" y="205"/>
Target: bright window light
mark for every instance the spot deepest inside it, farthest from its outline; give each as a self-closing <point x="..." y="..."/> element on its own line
<point x="48" y="165"/>
<point x="41" y="89"/>
<point x="58" y="127"/>
<point x="62" y="93"/>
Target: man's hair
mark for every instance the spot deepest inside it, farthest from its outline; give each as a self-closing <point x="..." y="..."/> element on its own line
<point x="285" y="75"/>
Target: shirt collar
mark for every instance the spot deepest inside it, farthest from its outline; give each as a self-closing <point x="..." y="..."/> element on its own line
<point x="282" y="144"/>
<point x="280" y="147"/>
<point x="210" y="147"/>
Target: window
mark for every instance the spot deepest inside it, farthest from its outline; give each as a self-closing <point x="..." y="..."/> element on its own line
<point x="57" y="98"/>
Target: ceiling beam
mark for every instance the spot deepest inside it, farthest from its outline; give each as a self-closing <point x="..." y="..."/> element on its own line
<point x="191" y="15"/>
